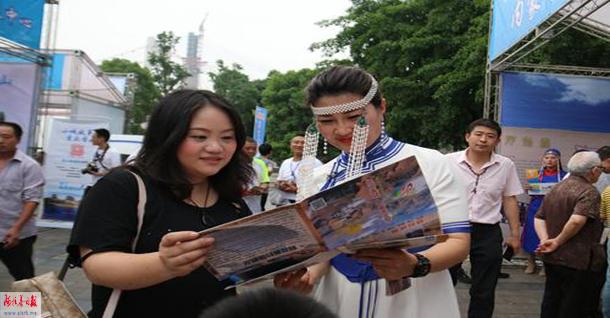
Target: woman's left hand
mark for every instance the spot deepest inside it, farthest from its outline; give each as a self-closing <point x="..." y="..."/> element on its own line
<point x="389" y="263"/>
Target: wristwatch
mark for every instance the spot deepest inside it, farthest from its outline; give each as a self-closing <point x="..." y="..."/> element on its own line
<point x="422" y="267"/>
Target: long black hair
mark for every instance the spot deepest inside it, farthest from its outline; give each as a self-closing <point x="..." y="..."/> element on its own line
<point x="338" y="80"/>
<point x="169" y="125"/>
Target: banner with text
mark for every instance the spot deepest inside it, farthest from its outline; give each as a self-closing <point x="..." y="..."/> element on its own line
<point x="525" y="146"/>
<point x="68" y="151"/>
<point x="512" y="20"/>
<point x="260" y="124"/>
<point x="540" y="111"/>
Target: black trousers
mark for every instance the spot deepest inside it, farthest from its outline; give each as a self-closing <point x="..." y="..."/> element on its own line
<point x="18" y="259"/>
<point x="570" y="292"/>
<point x="486" y="261"/>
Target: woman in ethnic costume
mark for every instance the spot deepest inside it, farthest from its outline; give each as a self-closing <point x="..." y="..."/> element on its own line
<point x="349" y="110"/>
<point x="550" y="172"/>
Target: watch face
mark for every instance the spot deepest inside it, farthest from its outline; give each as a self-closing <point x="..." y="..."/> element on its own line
<point x="422" y="268"/>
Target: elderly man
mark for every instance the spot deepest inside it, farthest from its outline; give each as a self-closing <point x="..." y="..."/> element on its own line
<point x="569" y="227"/>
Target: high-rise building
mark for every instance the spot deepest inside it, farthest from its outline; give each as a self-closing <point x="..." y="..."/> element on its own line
<point x="193" y="62"/>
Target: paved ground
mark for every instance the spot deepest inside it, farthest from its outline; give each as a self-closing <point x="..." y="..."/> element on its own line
<point x="518" y="296"/>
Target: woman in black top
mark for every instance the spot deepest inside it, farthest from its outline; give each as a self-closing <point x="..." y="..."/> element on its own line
<point x="193" y="170"/>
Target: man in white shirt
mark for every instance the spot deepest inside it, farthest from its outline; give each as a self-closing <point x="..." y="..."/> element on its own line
<point x="289" y="174"/>
<point x="104" y="158"/>
<point x="492" y="184"/>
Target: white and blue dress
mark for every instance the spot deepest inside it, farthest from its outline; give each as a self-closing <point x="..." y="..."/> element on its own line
<point x="352" y="288"/>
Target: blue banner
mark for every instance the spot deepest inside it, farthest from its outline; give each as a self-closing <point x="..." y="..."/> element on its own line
<point x="550" y="101"/>
<point x="21" y="21"/>
<point x="260" y="123"/>
<point x="514" y="19"/>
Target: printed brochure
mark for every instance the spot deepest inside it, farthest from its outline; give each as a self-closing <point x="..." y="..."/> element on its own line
<point x="389" y="207"/>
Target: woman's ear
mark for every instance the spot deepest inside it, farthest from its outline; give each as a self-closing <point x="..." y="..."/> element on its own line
<point x="382" y="106"/>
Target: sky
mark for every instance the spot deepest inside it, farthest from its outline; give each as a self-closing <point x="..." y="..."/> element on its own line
<point x="260" y="35"/>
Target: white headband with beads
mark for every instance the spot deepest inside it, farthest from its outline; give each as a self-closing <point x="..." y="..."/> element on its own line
<point x="348" y="107"/>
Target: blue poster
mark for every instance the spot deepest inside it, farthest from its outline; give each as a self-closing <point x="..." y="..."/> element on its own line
<point x="551" y="101"/>
<point x="514" y="19"/>
<point x="260" y="123"/>
<point x="21" y="21"/>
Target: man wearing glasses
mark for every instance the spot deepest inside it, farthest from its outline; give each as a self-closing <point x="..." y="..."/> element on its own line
<point x="569" y="226"/>
<point x="492" y="184"/>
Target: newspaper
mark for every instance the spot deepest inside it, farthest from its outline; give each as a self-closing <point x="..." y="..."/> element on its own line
<point x="389" y="207"/>
<point x="535" y="186"/>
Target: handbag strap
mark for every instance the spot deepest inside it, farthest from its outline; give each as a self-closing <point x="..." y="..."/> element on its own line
<point x="116" y="293"/>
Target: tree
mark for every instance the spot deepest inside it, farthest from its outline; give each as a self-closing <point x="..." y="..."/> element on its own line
<point x="236" y="87"/>
<point x="146" y="93"/>
<point x="284" y="97"/>
<point x="167" y="74"/>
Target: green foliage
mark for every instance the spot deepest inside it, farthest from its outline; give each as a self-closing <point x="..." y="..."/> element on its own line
<point x="573" y="48"/>
<point x="146" y="93"/>
<point x="236" y="87"/>
<point x="167" y="74"/>
<point x="284" y="98"/>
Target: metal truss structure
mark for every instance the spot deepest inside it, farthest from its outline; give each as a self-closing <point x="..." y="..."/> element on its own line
<point x="577" y="14"/>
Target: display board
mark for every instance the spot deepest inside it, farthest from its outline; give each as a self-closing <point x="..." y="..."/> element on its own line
<point x="68" y="150"/>
<point x="540" y="111"/>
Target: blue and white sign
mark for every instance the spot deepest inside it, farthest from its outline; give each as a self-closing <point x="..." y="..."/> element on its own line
<point x="21" y="21"/>
<point x="514" y="19"/>
<point x="260" y="124"/>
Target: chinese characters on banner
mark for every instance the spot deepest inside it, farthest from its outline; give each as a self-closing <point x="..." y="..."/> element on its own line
<point x="68" y="152"/>
<point x="525" y="146"/>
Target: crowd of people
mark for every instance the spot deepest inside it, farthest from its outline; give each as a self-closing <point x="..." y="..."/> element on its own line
<point x="199" y="170"/>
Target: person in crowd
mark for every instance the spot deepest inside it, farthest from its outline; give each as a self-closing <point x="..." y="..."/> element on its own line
<point x="604" y="178"/>
<point x="265" y="151"/>
<point x="603" y="186"/>
<point x="268" y="303"/>
<point x="346" y="101"/>
<point x="551" y="171"/>
<point x="194" y="171"/>
<point x="605" y="216"/>
<point x="492" y="184"/>
<point x="104" y="158"/>
<point x="569" y="227"/>
<point x="290" y="171"/>
<point x="21" y="182"/>
<point x="259" y="184"/>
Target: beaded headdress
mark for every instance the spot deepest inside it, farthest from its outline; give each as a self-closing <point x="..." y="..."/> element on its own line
<point x="357" y="147"/>
<point x="556" y="153"/>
